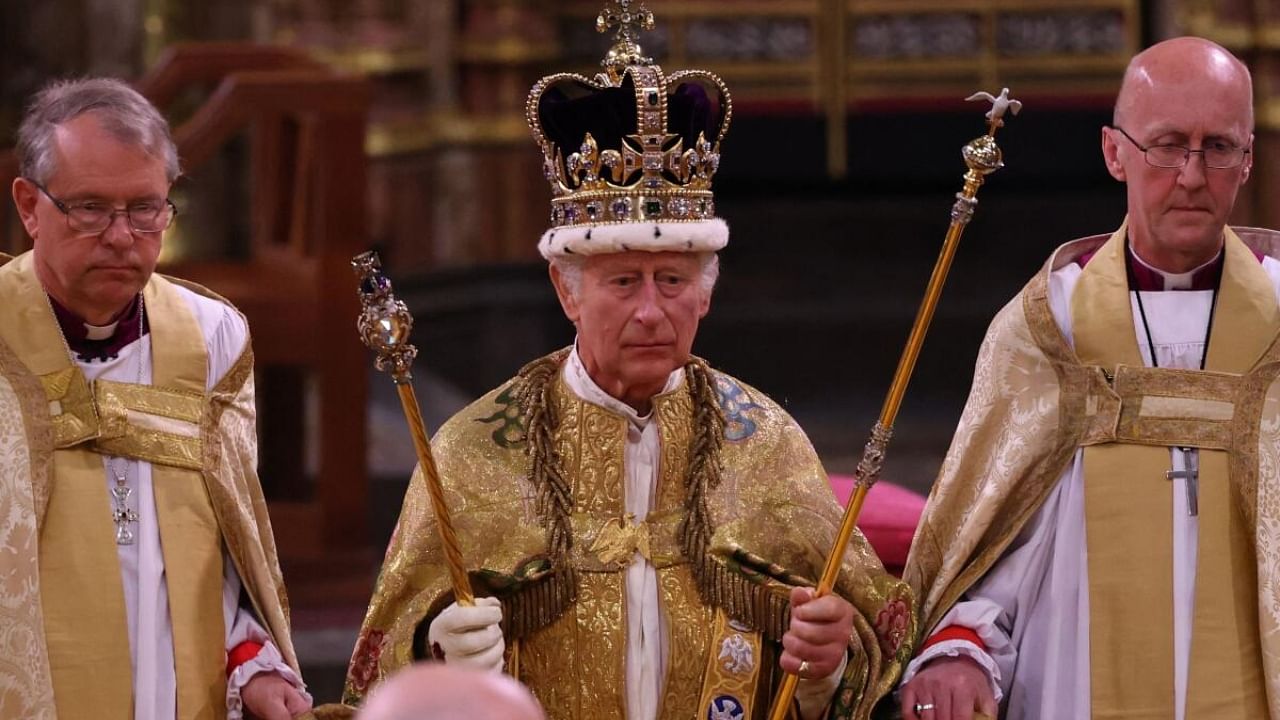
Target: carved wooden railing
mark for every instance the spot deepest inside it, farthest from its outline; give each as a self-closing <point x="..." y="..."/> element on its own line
<point x="306" y="218"/>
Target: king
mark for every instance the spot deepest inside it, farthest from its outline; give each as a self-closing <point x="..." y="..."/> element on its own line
<point x="642" y="531"/>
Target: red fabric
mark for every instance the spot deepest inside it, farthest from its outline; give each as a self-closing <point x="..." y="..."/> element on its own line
<point x="953" y="632"/>
<point x="888" y="520"/>
<point x="241" y="654"/>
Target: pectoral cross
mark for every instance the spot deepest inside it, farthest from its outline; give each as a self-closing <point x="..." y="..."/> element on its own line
<point x="123" y="515"/>
<point x="1190" y="473"/>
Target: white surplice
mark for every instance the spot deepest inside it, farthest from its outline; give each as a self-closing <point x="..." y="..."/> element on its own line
<point x="142" y="563"/>
<point x="1031" y="609"/>
<point x="647" y="637"/>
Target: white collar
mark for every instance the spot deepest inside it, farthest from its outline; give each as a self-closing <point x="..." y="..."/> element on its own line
<point x="1175" y="281"/>
<point x="580" y="382"/>
<point x="100" y="332"/>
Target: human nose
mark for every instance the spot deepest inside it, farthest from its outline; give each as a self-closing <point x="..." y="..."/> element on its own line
<point x="1194" y="172"/>
<point x="647" y="311"/>
<point x="118" y="230"/>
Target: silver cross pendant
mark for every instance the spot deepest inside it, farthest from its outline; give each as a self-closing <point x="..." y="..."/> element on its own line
<point x="123" y="515"/>
<point x="1190" y="473"/>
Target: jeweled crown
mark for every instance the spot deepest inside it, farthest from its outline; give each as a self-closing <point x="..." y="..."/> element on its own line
<point x="632" y="145"/>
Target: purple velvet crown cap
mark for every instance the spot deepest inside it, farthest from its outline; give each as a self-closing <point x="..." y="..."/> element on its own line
<point x="570" y="108"/>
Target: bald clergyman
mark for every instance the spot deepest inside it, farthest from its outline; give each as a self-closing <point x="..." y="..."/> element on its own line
<point x="1105" y="535"/>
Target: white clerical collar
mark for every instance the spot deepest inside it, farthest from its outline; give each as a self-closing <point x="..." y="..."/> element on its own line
<point x="100" y="332"/>
<point x="580" y="382"/>
<point x="1175" y="281"/>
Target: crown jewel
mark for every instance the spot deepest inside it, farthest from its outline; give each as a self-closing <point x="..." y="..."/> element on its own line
<point x="628" y="19"/>
<point x="632" y="145"/>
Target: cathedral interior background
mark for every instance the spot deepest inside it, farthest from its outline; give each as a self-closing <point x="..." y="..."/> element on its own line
<point x="314" y="129"/>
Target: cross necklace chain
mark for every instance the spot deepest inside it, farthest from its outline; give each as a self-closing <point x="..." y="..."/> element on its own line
<point x="123" y="514"/>
<point x="1190" y="472"/>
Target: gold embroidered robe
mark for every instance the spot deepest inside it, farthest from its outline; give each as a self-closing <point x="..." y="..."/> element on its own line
<point x="773" y="515"/>
<point x="1033" y="403"/>
<point x="45" y="417"/>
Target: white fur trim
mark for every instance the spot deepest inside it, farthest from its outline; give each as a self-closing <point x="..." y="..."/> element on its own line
<point x="692" y="236"/>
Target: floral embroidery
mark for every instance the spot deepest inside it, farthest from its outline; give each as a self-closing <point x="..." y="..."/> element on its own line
<point x="735" y="404"/>
<point x="891" y="626"/>
<point x="364" y="662"/>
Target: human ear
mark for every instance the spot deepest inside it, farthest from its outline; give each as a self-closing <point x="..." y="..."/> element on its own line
<point x="25" y="197"/>
<point x="568" y="302"/>
<point x="1248" y="162"/>
<point x="1111" y="155"/>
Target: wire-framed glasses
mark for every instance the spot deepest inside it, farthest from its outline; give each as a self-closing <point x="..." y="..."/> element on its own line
<point x="1217" y="154"/>
<point x="95" y="216"/>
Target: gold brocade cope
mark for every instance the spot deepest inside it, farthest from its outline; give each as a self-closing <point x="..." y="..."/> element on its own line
<point x="85" y="627"/>
<point x="26" y="449"/>
<point x="201" y="472"/>
<point x="1034" y="403"/>
<point x="771" y="501"/>
<point x="1129" y="507"/>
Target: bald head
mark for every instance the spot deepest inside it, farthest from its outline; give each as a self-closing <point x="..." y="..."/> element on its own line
<point x="1190" y="65"/>
<point x="436" y="691"/>
<point x="1182" y="143"/>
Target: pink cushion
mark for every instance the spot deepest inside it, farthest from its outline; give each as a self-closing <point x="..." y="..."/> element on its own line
<point x="888" y="519"/>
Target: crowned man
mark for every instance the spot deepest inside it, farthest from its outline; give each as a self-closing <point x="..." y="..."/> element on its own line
<point x="1103" y="539"/>
<point x="643" y="526"/>
<point x="139" y="572"/>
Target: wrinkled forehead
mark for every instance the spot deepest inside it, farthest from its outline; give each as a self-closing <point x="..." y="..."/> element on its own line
<point x="1169" y="111"/>
<point x="641" y="261"/>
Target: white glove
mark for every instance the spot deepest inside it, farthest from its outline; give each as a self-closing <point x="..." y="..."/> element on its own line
<point x="470" y="636"/>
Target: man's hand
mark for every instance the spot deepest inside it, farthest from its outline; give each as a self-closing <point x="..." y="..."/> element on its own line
<point x="954" y="686"/>
<point x="469" y="636"/>
<point x="819" y="634"/>
<point x="267" y="696"/>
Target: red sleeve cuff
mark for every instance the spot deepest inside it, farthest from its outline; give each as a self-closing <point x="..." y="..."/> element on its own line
<point x="241" y="654"/>
<point x="953" y="632"/>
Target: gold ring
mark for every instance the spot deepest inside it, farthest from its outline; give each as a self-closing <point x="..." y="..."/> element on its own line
<point x="804" y="668"/>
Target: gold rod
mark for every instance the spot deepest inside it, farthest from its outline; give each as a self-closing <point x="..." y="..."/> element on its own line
<point x="444" y="521"/>
<point x="983" y="157"/>
<point x="385" y="325"/>
<point x="924" y="317"/>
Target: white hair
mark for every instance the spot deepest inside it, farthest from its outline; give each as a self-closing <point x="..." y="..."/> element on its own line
<point x="570" y="268"/>
<point x="122" y="110"/>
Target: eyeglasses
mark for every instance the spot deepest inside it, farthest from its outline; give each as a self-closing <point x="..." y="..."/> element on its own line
<point x="94" y="216"/>
<point x="1219" y="155"/>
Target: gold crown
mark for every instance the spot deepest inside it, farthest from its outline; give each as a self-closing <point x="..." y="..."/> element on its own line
<point x="642" y="146"/>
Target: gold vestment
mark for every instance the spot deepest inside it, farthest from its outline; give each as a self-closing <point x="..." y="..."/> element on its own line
<point x="64" y="639"/>
<point x="1035" y="401"/>
<point x="772" y="518"/>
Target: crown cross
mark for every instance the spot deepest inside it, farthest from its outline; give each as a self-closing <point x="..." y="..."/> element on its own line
<point x="627" y="18"/>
